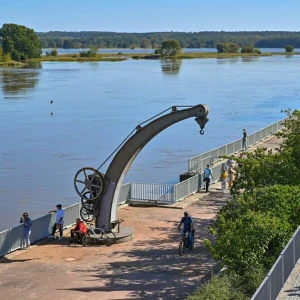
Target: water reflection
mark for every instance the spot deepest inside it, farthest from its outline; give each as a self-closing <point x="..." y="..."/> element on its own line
<point x="250" y="58"/>
<point x="171" y="66"/>
<point x="230" y="60"/>
<point x="19" y="80"/>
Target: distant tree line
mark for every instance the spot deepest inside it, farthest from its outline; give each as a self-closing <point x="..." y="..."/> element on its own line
<point x="205" y="39"/>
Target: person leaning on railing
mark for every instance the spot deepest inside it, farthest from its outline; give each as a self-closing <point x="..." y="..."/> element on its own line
<point x="27" y="229"/>
<point x="59" y="224"/>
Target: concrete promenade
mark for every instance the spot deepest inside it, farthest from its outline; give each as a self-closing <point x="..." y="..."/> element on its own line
<point x="148" y="267"/>
<point x="291" y="289"/>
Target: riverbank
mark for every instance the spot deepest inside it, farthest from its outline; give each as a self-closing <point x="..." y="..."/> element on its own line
<point x="123" y="56"/>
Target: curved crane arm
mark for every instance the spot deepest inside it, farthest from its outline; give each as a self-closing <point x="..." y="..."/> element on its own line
<point x="122" y="161"/>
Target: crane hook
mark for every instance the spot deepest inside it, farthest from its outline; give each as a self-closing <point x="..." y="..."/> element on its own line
<point x="201" y="131"/>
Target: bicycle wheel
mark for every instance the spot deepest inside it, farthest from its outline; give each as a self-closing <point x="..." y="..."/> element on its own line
<point x="89" y="204"/>
<point x="193" y="240"/>
<point x="181" y="248"/>
<point x="109" y="238"/>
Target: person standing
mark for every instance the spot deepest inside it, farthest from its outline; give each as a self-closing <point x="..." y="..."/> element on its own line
<point x="208" y="175"/>
<point x="27" y="229"/>
<point x="223" y="177"/>
<point x="231" y="176"/>
<point x="59" y="224"/>
<point x="245" y="140"/>
<point x="188" y="226"/>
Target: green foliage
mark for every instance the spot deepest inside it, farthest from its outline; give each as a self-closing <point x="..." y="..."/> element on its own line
<point x="247" y="49"/>
<point x="90" y="53"/>
<point x="227" y="47"/>
<point x="222" y="47"/>
<point x="145" y="43"/>
<point x="253" y="228"/>
<point x="233" y="47"/>
<point x="264" y="168"/>
<point x="7" y="58"/>
<point x="1" y="54"/>
<point x="221" y="288"/>
<point x="290" y="134"/>
<point x="289" y="48"/>
<point x="54" y="52"/>
<point x="20" y="42"/>
<point x="207" y="39"/>
<point x="170" y="48"/>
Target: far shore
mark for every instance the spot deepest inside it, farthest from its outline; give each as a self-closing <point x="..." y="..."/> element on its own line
<point x="117" y="57"/>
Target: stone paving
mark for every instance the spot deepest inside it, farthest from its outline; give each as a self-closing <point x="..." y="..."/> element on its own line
<point x="291" y="289"/>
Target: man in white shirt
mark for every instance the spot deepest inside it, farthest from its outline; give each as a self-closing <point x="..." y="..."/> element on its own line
<point x="59" y="224"/>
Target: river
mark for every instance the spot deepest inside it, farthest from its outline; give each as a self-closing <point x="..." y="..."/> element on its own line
<point x="96" y="104"/>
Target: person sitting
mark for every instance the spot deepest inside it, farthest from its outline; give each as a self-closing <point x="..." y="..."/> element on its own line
<point x="79" y="231"/>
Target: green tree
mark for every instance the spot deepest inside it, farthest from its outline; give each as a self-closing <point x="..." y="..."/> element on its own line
<point x="145" y="43"/>
<point x="222" y="47"/>
<point x="20" y="42"/>
<point x="233" y="47"/>
<point x="289" y="48"/>
<point x="247" y="49"/>
<point x="94" y="51"/>
<point x="170" y="48"/>
<point x="264" y="168"/>
<point x="53" y="52"/>
<point x="291" y="136"/>
<point x="1" y="54"/>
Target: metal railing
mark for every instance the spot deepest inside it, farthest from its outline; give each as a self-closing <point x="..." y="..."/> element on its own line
<point x="13" y="238"/>
<point x="187" y="187"/>
<point x="281" y="270"/>
<point x="125" y="193"/>
<point x="199" y="162"/>
<point x="160" y="193"/>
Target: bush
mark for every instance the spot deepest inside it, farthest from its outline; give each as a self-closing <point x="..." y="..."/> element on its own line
<point x="221" y="288"/>
<point x="7" y="58"/>
<point x="54" y="52"/>
<point x="289" y="48"/>
<point x="247" y="49"/>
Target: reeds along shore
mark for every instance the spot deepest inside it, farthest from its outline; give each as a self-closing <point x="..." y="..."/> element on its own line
<point x="115" y="57"/>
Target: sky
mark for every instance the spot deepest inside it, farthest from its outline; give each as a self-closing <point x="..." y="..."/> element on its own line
<point x="152" y="15"/>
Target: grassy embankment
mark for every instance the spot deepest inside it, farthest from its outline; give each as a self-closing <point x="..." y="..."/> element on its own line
<point x="115" y="57"/>
<point x="120" y="56"/>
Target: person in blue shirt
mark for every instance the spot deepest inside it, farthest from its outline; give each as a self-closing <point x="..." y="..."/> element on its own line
<point x="188" y="226"/>
<point x="27" y="229"/>
<point x="208" y="176"/>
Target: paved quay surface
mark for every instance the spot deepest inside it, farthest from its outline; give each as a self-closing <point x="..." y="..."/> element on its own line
<point x="148" y="267"/>
<point x="291" y="289"/>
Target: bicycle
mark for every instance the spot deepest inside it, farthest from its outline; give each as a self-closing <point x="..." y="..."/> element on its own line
<point x="184" y="243"/>
<point x="105" y="237"/>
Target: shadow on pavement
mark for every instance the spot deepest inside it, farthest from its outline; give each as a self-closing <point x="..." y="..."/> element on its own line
<point x="153" y="268"/>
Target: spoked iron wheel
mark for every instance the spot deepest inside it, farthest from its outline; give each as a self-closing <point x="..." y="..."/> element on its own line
<point x="89" y="204"/>
<point x="91" y="180"/>
<point x="87" y="215"/>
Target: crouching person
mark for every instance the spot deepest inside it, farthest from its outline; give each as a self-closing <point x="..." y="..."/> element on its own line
<point x="79" y="232"/>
